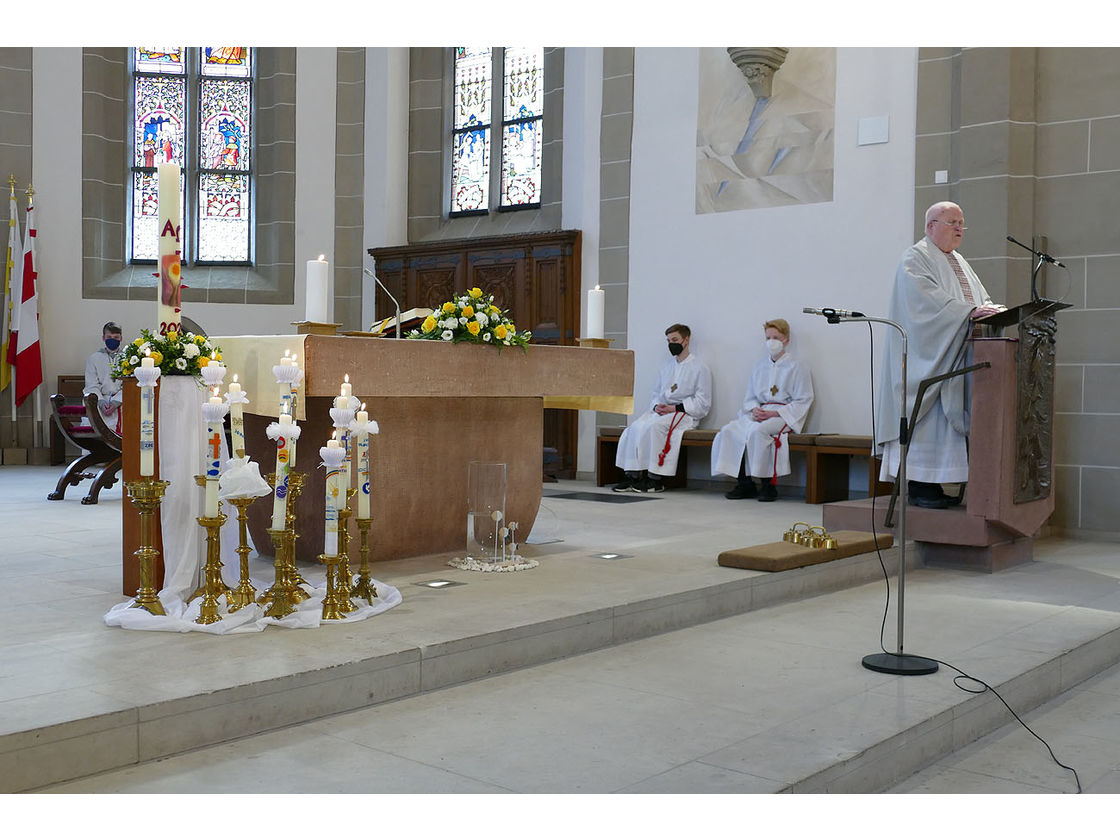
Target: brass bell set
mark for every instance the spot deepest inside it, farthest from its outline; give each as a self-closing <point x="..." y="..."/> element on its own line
<point x="810" y="536"/>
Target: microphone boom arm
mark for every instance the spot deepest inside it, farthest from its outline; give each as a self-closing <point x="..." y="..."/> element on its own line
<point x="377" y="280"/>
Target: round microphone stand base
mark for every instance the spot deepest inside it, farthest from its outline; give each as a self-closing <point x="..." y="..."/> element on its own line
<point x="902" y="664"/>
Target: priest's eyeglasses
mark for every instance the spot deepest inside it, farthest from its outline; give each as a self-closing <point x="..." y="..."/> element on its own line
<point x="960" y="225"/>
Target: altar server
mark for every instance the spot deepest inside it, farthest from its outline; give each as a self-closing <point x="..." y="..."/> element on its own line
<point x="777" y="400"/>
<point x="649" y="447"/>
<point x="936" y="297"/>
<point x="99" y="376"/>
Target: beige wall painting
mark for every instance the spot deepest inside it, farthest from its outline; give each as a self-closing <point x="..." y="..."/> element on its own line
<point x="763" y="151"/>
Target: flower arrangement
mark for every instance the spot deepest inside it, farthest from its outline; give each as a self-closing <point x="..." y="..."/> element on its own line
<point x="176" y="354"/>
<point x="472" y="317"/>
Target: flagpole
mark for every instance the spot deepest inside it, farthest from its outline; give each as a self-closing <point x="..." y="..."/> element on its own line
<point x="10" y="289"/>
<point x="37" y="404"/>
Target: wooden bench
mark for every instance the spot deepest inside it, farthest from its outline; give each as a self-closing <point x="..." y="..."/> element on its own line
<point x="99" y="445"/>
<point x="827" y="460"/>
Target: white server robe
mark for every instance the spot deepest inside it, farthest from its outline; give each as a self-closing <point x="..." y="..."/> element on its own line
<point x="783" y="385"/>
<point x="688" y="383"/>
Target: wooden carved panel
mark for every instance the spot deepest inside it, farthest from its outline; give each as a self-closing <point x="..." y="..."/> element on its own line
<point x="1034" y="408"/>
<point x="534" y="276"/>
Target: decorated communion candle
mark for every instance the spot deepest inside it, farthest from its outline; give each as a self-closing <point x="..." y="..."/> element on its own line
<point x="363" y="466"/>
<point x="317" y="293"/>
<point x="596" y="305"/>
<point x="213" y="462"/>
<point x="236" y="419"/>
<point x="280" y="492"/>
<point x="347" y="388"/>
<point x="333" y="503"/>
<point x="343" y="402"/>
<point x="147" y="424"/>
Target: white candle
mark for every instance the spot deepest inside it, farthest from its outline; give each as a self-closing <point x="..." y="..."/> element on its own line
<point x="346" y="390"/>
<point x="343" y="402"/>
<point x="213" y="462"/>
<point x="596" y="303"/>
<point x="333" y="503"/>
<point x="317" y="293"/>
<point x="236" y="419"/>
<point x="147" y="424"/>
<point x="363" y="468"/>
<point x="167" y="296"/>
<point x="280" y="492"/>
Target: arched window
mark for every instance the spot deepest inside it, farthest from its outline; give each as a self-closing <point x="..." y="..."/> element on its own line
<point x="194" y="106"/>
<point x="516" y="168"/>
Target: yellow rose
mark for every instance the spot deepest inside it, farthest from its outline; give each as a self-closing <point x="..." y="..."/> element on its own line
<point x="473" y="327"/>
<point x="429" y="324"/>
<point x="500" y="332"/>
<point x="203" y="361"/>
<point x="448" y="308"/>
<point x="200" y="340"/>
<point x="157" y="358"/>
<point x="218" y="356"/>
<point x="476" y="292"/>
<point x="492" y="310"/>
<point x="172" y="335"/>
<point x="468" y="311"/>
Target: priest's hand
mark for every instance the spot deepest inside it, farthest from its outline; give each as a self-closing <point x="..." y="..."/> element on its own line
<point x="985" y="310"/>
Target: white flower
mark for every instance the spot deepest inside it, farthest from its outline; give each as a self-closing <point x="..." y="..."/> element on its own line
<point x="144" y="349"/>
<point x="181" y="363"/>
<point x="450" y="323"/>
<point x="463" y="320"/>
<point x="190" y="350"/>
<point x="446" y="335"/>
<point x="481" y="318"/>
<point x="486" y="336"/>
<point x="134" y="360"/>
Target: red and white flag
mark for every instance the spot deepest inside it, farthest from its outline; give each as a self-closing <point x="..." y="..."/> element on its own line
<point x="13" y="286"/>
<point x="28" y="362"/>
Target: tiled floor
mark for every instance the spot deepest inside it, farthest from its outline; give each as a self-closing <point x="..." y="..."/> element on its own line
<point x="755" y="702"/>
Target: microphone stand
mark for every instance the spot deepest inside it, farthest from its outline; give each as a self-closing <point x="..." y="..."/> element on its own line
<point x="900" y="663"/>
<point x="1042" y="258"/>
<point x="390" y="294"/>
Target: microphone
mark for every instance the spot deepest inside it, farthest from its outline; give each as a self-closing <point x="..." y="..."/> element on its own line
<point x="1045" y="257"/>
<point x="833" y="313"/>
<point x="390" y="294"/>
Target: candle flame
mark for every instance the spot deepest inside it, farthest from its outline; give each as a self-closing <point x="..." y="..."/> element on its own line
<point x="363" y="407"/>
<point x="322" y="257"/>
<point x="596" y="287"/>
<point x="235" y="377"/>
<point x="287" y="353"/>
<point x="346" y="378"/>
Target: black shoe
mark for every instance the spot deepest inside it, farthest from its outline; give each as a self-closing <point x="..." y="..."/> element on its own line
<point x="653" y="485"/>
<point x="930" y="504"/>
<point x="767" y="492"/>
<point x="741" y="491"/>
<point x="624" y="486"/>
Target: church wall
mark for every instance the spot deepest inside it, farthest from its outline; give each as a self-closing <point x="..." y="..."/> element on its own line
<point x="725" y="273"/>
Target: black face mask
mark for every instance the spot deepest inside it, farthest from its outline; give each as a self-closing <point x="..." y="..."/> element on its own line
<point x="676" y="348"/>
<point x="112" y="344"/>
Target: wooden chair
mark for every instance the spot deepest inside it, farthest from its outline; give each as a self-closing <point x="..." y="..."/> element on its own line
<point x="100" y="446"/>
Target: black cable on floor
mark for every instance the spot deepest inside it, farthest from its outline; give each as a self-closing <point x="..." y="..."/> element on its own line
<point x="961" y="675"/>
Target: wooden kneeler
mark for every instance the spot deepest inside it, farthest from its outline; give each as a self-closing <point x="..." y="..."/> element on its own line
<point x="782" y="556"/>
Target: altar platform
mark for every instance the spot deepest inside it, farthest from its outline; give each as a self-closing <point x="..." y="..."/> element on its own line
<point x="703" y="678"/>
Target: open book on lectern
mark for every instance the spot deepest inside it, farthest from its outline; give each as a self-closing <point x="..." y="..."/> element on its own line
<point x="1014" y="315"/>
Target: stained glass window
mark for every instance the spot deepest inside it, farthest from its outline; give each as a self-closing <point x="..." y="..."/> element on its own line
<point x="522" y="115"/>
<point x="213" y="145"/>
<point x="516" y="104"/>
<point x="470" y="148"/>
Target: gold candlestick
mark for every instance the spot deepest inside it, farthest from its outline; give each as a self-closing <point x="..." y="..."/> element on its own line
<point x="295" y="487"/>
<point x="244" y="594"/>
<point x="200" y="480"/>
<point x="332" y="605"/>
<point x="213" y="586"/>
<point x="364" y="587"/>
<point x="146" y="495"/>
<point x="345" y="579"/>
<point x="284" y="594"/>
<point x="287" y="575"/>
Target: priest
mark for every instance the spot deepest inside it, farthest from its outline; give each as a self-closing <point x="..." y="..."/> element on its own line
<point x="936" y="298"/>
<point x="755" y="442"/>
<point x="649" y="447"/>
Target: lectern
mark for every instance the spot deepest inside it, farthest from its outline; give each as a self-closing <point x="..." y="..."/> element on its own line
<point x="1010" y="461"/>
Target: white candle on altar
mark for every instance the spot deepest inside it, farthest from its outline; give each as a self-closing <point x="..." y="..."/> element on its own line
<point x="317" y="292"/>
<point x="147" y="424"/>
<point x="213" y="462"/>
<point x="236" y="419"/>
<point x="363" y="466"/>
<point x="280" y="491"/>
<point x="333" y="503"/>
<point x="347" y="389"/>
<point x="596" y="305"/>
<point x="168" y="294"/>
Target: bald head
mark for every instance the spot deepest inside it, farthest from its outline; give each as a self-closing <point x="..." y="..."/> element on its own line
<point x="945" y="225"/>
